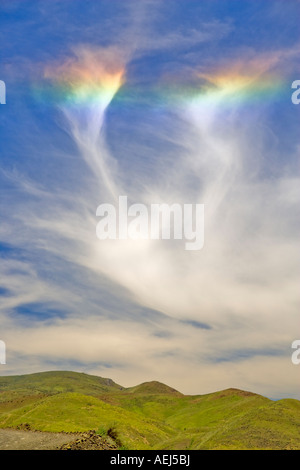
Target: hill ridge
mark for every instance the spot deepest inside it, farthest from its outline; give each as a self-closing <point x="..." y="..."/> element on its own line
<point x="150" y="415"/>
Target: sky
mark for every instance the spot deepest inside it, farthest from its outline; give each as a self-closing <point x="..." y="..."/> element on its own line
<point x="161" y="101"/>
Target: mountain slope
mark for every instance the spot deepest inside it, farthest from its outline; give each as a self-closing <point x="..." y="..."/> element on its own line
<point x="153" y="388"/>
<point x="149" y="415"/>
<point x="57" y="382"/>
<point x="74" y="412"/>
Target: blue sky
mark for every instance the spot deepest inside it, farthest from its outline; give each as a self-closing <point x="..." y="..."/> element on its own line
<point x="203" y="114"/>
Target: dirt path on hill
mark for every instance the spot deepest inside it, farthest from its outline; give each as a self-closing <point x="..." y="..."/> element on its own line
<point x="13" y="439"/>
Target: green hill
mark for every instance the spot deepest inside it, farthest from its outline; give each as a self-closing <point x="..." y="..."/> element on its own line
<point x="156" y="388"/>
<point x="57" y="382"/>
<point x="150" y="415"/>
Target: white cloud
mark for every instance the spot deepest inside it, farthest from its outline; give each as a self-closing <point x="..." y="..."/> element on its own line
<point x="244" y="283"/>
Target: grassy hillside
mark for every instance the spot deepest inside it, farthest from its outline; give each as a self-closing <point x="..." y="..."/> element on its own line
<point x="57" y="382"/>
<point x="150" y="415"/>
